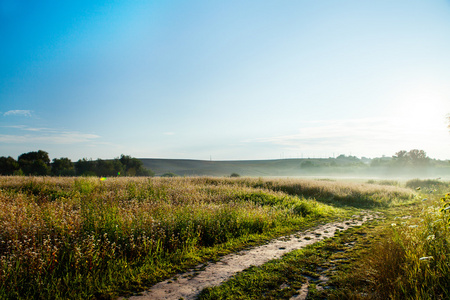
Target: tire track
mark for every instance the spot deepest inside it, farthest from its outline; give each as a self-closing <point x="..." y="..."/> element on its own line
<point x="188" y="285"/>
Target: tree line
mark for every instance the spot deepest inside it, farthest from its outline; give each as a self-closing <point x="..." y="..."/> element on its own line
<point x="38" y="163"/>
<point x="404" y="159"/>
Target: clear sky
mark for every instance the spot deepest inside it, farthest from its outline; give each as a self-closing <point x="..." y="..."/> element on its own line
<point x="224" y="79"/>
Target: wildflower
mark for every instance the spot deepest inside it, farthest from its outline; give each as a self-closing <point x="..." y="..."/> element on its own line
<point x="426" y="258"/>
<point x="393" y="224"/>
<point x="431" y="237"/>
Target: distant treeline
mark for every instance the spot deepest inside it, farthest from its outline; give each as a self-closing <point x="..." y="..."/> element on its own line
<point x="402" y="159"/>
<point x="38" y="163"/>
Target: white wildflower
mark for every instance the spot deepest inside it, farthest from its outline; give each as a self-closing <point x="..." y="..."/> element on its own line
<point x="426" y="258"/>
<point x="431" y="237"/>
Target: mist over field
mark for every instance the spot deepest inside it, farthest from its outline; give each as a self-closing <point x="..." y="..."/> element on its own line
<point x="404" y="164"/>
<point x="341" y="167"/>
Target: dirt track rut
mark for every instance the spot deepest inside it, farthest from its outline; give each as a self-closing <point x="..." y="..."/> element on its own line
<point x="188" y="285"/>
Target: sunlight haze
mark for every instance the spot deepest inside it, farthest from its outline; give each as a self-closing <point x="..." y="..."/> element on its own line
<point x="224" y="80"/>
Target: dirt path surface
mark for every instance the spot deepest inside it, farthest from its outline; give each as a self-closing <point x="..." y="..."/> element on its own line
<point x="188" y="285"/>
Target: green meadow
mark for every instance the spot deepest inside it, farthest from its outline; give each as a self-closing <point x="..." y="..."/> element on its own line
<point x="405" y="255"/>
<point x="100" y="238"/>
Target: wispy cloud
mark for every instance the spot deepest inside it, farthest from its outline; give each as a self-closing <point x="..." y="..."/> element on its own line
<point x="334" y="131"/>
<point x="35" y="129"/>
<point x="18" y="112"/>
<point x="46" y="135"/>
<point x="371" y="136"/>
<point x="169" y="133"/>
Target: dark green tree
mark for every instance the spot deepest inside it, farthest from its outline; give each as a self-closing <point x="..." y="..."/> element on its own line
<point x="40" y="168"/>
<point x="117" y="166"/>
<point x="134" y="167"/>
<point x="8" y="165"/>
<point x="62" y="167"/>
<point x="108" y="167"/>
<point x="85" y="167"/>
<point x="35" y="163"/>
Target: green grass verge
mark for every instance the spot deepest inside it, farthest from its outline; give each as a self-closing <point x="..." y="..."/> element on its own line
<point x="403" y="256"/>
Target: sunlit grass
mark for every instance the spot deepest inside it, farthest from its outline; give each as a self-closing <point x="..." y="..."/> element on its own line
<point x="405" y="256"/>
<point x="411" y="260"/>
<point x="416" y="253"/>
<point x="79" y="237"/>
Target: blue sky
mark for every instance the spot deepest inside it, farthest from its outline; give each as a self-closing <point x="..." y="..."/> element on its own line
<point x="224" y="79"/>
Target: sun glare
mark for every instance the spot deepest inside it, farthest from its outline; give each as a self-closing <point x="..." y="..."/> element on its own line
<point x="420" y="107"/>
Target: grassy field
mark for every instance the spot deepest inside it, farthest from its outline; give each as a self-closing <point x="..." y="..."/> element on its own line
<point x="87" y="238"/>
<point x="404" y="256"/>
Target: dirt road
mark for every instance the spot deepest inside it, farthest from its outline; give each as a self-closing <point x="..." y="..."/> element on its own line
<point x="188" y="285"/>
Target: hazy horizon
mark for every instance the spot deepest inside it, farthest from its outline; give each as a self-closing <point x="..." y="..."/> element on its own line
<point x="224" y="81"/>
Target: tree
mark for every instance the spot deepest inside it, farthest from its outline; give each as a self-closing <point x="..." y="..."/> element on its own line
<point x="108" y="167"/>
<point x="402" y="154"/>
<point x="39" y="167"/>
<point x="134" y="167"/>
<point x="401" y="158"/>
<point x="8" y="165"/>
<point x="62" y="167"/>
<point x="33" y="155"/>
<point x="413" y="158"/>
<point x="381" y="162"/>
<point x="118" y="167"/>
<point x="125" y="165"/>
<point x="417" y="155"/>
<point x="35" y="163"/>
<point x="85" y="167"/>
<point x="419" y="158"/>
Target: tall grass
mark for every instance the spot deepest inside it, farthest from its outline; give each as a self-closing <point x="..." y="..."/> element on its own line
<point x="330" y="192"/>
<point x="87" y="237"/>
<point x="413" y="260"/>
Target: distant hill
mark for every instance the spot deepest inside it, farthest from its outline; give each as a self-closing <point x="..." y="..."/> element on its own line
<point x="277" y="167"/>
<point x="342" y="166"/>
